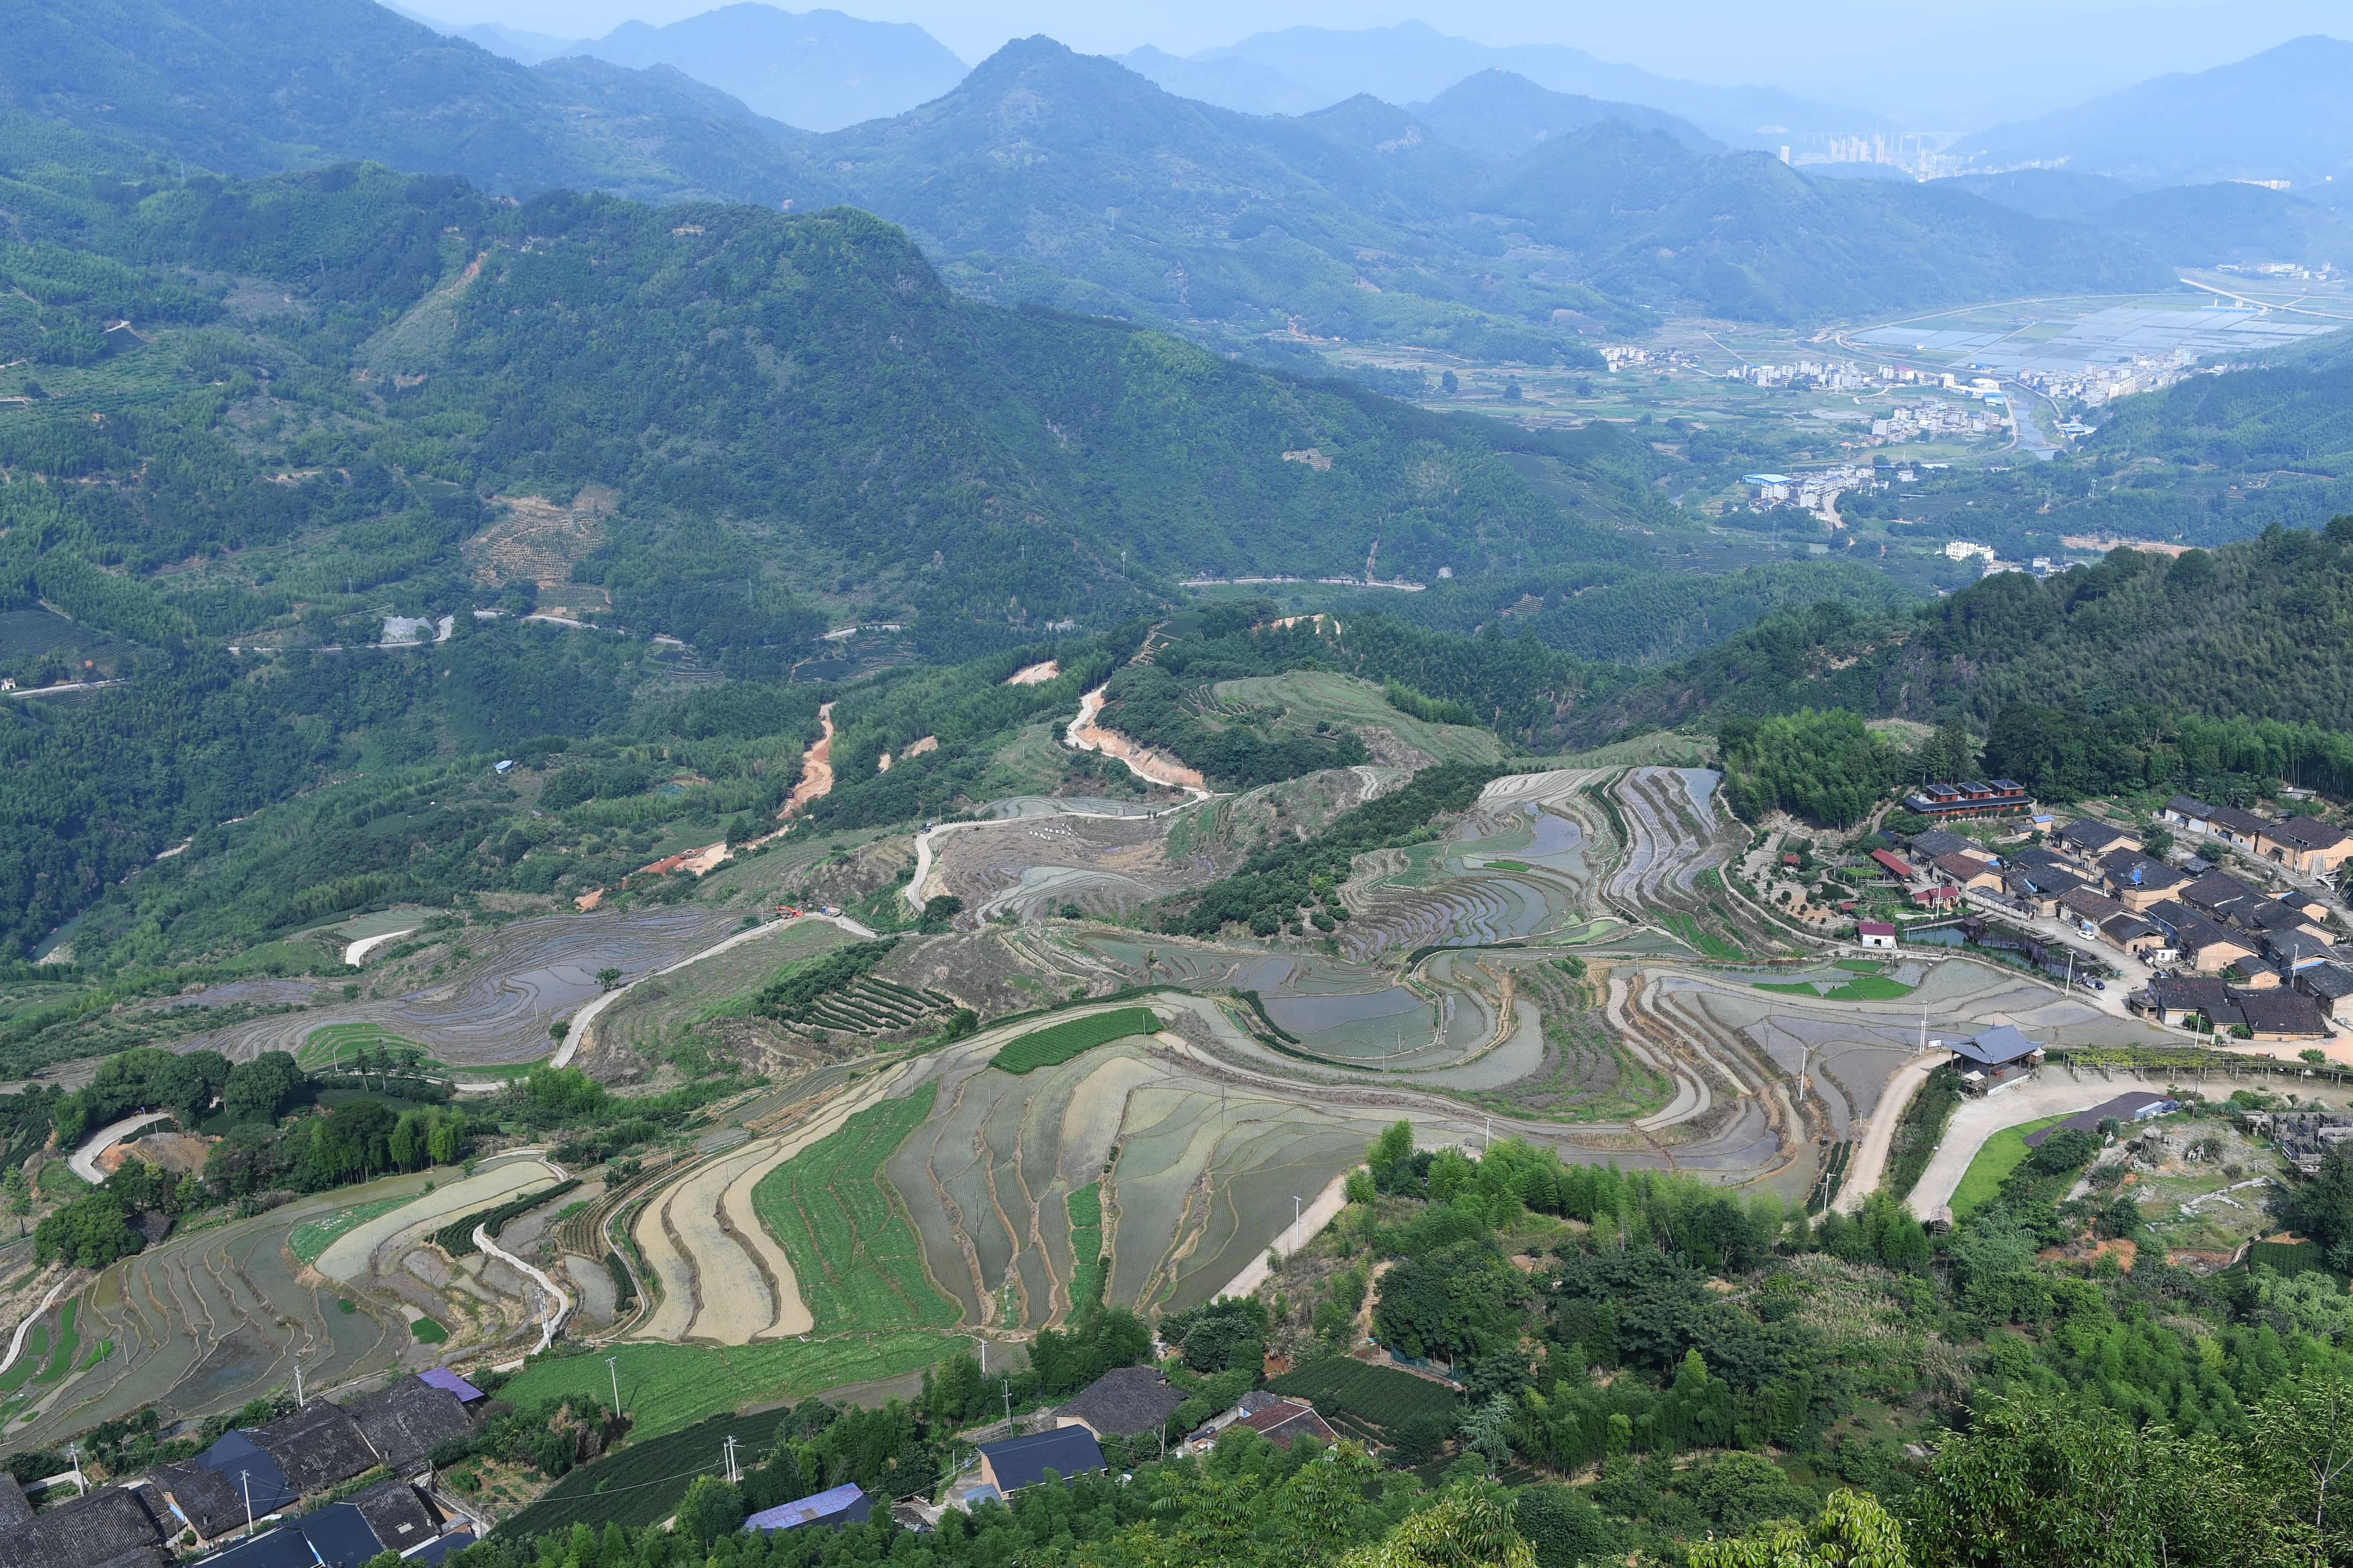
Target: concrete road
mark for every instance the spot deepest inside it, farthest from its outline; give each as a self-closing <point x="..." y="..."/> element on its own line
<point x="2052" y="1092"/>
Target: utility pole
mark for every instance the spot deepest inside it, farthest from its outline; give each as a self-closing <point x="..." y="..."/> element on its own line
<point x="297" y="1385"/>
<point x="984" y="1353"/>
<point x="246" y="1478"/>
<point x="1294" y="1222"/>
<point x="73" y="1452"/>
<point x="727" y="1451"/>
<point x="1009" y="1408"/>
<point x="613" y="1366"/>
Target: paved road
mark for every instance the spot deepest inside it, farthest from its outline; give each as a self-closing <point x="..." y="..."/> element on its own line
<point x="83" y="1161"/>
<point x="2052" y="1092"/>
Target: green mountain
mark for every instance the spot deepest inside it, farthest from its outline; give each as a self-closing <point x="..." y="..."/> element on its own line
<point x="1068" y="179"/>
<point x="273" y="84"/>
<point x="1647" y="218"/>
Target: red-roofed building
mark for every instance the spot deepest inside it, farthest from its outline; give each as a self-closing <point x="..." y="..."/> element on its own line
<point x="1286" y="1421"/>
<point x="1939" y="897"/>
<point x="1896" y="865"/>
<point x="1875" y="934"/>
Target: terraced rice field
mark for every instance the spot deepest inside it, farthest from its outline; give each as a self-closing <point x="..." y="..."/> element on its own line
<point x="498" y="1006"/>
<point x="314" y="1236"/>
<point x="1200" y="1185"/>
<point x="324" y="1048"/>
<point x="855" y="1257"/>
<point x="663" y="1009"/>
<point x="722" y="1277"/>
<point x="206" y="1321"/>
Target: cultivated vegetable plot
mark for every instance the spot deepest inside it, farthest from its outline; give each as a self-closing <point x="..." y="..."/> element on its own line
<point x="874" y="1006"/>
<point x="854" y="1253"/>
<point x="1058" y="1043"/>
<point x="1380" y="1398"/>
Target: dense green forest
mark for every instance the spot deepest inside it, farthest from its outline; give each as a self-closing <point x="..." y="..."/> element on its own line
<point x="2248" y="635"/>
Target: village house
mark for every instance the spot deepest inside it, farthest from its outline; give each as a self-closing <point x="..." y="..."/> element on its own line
<point x="2203" y="944"/>
<point x="1998" y="1055"/>
<point x="2281" y="1015"/>
<point x="2328" y="984"/>
<point x="2086" y="838"/>
<point x="1965" y="871"/>
<point x="1122" y="1403"/>
<point x="1013" y="1463"/>
<point x="2303" y="845"/>
<point x="2137" y="882"/>
<point x="844" y="1504"/>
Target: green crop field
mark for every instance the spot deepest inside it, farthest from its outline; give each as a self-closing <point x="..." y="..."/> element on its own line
<point x="61" y="1358"/>
<point x="1377" y="1396"/>
<point x="854" y="1251"/>
<point x="314" y="1236"/>
<point x="1058" y="1043"/>
<point x="1862" y="988"/>
<point x="665" y="1388"/>
<point x="335" y="1043"/>
<point x="1085" y="1209"/>
<point x="1705" y="941"/>
<point x="2003" y="1153"/>
<point x="427" y="1331"/>
<point x="2288" y="1257"/>
<point x="37" y="1346"/>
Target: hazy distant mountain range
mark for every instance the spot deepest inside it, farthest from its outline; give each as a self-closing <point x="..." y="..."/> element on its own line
<point x="1496" y="218"/>
<point x="2284" y="114"/>
<point x="817" y="71"/>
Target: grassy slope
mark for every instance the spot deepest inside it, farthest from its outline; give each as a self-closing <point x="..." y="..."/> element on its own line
<point x="2002" y="1154"/>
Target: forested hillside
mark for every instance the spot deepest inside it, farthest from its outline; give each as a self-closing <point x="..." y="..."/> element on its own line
<point x="2239" y="659"/>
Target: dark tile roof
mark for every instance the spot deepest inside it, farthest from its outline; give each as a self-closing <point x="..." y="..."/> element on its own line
<point x="2333" y="981"/>
<point x="282" y="1548"/>
<point x="109" y="1523"/>
<point x="396" y="1514"/>
<point x="2129" y="926"/>
<point x="1960" y="868"/>
<point x="2043" y="882"/>
<point x="2188" y="992"/>
<point x="2218" y="891"/>
<point x="2036" y="859"/>
<point x="2189" y="805"/>
<point x="2279" y="1011"/>
<point x="1127" y="1400"/>
<point x="2246" y="824"/>
<point x="212" y="1503"/>
<point x="318" y="1447"/>
<point x="2091" y="836"/>
<point x="14" y="1508"/>
<point x="1023" y="1461"/>
<point x="2193" y="932"/>
<point x="2271" y="914"/>
<point x="2303" y="832"/>
<point x="236" y="1456"/>
<point x="339" y="1533"/>
<point x="1935" y="841"/>
<point x="2130" y="868"/>
<point x="140" y="1557"/>
<point x="457" y="1541"/>
<point x="2091" y="905"/>
<point x="1996" y="1047"/>
<point x="403" y="1423"/>
<point x="2295" y="946"/>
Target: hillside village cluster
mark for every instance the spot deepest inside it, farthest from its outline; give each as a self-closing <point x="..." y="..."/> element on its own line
<point x="2214" y="952"/>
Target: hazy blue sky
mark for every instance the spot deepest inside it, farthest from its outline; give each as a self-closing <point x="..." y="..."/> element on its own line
<point x="1973" y="58"/>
